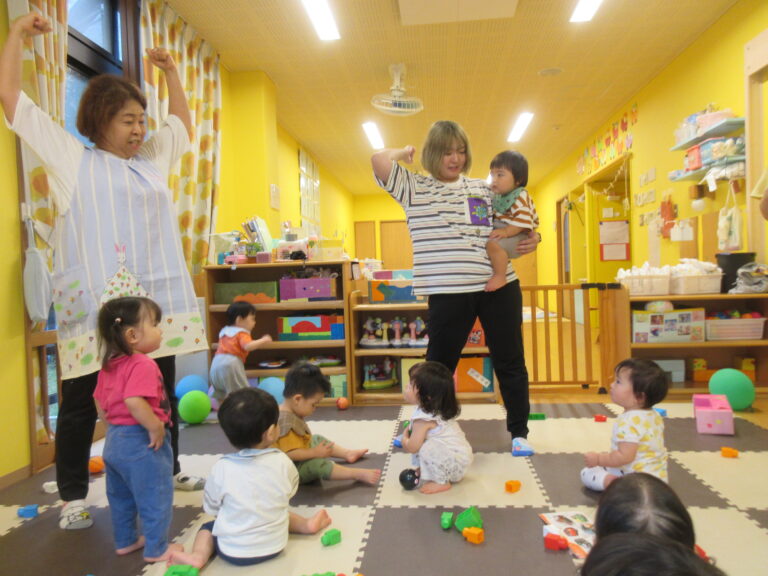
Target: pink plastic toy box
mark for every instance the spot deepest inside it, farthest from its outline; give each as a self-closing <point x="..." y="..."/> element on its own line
<point x="713" y="414"/>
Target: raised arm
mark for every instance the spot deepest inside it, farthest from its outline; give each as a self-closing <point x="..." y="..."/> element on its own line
<point x="382" y="160"/>
<point x="177" y="99"/>
<point x="10" y="59"/>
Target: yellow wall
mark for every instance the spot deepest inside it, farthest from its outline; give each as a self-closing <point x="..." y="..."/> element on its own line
<point x="336" y="211"/>
<point x="288" y="179"/>
<point x="14" y="425"/>
<point x="710" y="70"/>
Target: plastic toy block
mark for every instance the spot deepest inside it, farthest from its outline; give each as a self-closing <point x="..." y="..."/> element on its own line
<point x="600" y="417"/>
<point x="29" y="511"/>
<point x="727" y="452"/>
<point x="549" y="529"/>
<point x="512" y="486"/>
<point x="662" y="412"/>
<point x="468" y="518"/>
<point x="182" y="570"/>
<point x="331" y="537"/>
<point x="537" y="416"/>
<point x="555" y="542"/>
<point x="474" y="535"/>
<point x="398" y="441"/>
<point x="713" y="414"/>
<point x="446" y="520"/>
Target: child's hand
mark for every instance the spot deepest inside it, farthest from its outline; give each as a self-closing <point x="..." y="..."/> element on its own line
<point x="266" y="338"/>
<point x="161" y="58"/>
<point x="156" y="436"/>
<point x="591" y="459"/>
<point x="323" y="449"/>
<point x="497" y="234"/>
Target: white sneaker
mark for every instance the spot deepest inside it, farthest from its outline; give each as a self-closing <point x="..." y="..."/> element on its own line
<point x="521" y="447"/>
<point x="187" y="482"/>
<point x="75" y="516"/>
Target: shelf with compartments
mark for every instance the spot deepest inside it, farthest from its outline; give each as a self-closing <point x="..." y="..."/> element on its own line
<point x="267" y="314"/>
<point x="717" y="353"/>
<point x="722" y="128"/>
<point x="359" y="310"/>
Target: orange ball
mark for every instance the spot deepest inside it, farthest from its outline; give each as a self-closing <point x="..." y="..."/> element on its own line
<point x="96" y="465"/>
<point x="342" y="403"/>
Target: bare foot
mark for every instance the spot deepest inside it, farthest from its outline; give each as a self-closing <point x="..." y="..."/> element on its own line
<point x="138" y="545"/>
<point x="495" y="282"/>
<point x="368" y="475"/>
<point x="355" y="455"/>
<point x="165" y="556"/>
<point x="433" y="487"/>
<point x="189" y="559"/>
<point x="318" y="522"/>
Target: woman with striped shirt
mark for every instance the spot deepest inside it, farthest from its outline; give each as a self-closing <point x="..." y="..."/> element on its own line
<point x="449" y="219"/>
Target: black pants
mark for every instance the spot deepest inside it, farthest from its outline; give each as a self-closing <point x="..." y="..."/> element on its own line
<point x="451" y="317"/>
<point x="77" y="420"/>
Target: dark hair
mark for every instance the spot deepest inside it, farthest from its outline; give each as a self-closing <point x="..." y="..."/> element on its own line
<point x="246" y="414"/>
<point x="642" y="503"/>
<point x="435" y="389"/>
<point x="239" y="309"/>
<point x="644" y="555"/>
<point x="648" y="379"/>
<point x="305" y="379"/>
<point x="515" y="163"/>
<point x="103" y="98"/>
<point x="442" y="135"/>
<point x="115" y="317"/>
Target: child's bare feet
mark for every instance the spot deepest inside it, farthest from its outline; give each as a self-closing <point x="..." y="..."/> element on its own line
<point x="318" y="522"/>
<point x="190" y="559"/>
<point x="165" y="556"/>
<point x="495" y="282"/>
<point x="138" y="545"/>
<point x="433" y="487"/>
<point x="355" y="455"/>
<point x="368" y="475"/>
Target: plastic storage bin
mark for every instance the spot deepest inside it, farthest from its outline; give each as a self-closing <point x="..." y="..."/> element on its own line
<point x="649" y="285"/>
<point x="706" y="148"/>
<point x="736" y="329"/>
<point x="699" y="284"/>
<point x="693" y="158"/>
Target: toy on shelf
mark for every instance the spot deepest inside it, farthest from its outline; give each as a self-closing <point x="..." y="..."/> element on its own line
<point x="324" y="360"/>
<point x="373" y="334"/>
<point x="419" y="336"/>
<point x="379" y="373"/>
<point x="273" y="364"/>
<point x="401" y="339"/>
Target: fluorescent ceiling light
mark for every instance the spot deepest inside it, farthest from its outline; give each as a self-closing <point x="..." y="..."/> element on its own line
<point x="322" y="19"/>
<point x="374" y="137"/>
<point x="521" y="124"/>
<point x="585" y="10"/>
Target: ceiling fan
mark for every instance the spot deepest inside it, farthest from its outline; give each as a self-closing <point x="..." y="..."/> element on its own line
<point x="396" y="102"/>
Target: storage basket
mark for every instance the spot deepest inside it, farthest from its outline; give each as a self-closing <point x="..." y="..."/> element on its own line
<point x="706" y="150"/>
<point x="648" y="285"/>
<point x="695" y="284"/>
<point x="693" y="158"/>
<point x="735" y="329"/>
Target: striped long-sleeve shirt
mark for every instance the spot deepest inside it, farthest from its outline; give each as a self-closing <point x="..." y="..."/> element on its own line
<point x="449" y="224"/>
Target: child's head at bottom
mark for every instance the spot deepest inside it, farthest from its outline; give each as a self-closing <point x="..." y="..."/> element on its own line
<point x="305" y="380"/>
<point x="641" y="503"/>
<point x="248" y="416"/>
<point x="435" y="389"/>
<point x="649" y="381"/>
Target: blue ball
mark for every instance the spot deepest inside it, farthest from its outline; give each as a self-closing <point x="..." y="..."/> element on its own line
<point x="189" y="383"/>
<point x="274" y="386"/>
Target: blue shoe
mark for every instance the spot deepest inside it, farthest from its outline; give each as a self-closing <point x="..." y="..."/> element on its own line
<point x="520" y="447"/>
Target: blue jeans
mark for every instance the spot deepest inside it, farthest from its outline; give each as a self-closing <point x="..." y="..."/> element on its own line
<point x="139" y="481"/>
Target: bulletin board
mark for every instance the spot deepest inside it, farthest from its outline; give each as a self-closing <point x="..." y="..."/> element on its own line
<point x="614" y="240"/>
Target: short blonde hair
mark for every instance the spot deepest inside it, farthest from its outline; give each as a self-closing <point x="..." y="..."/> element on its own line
<point x="443" y="135"/>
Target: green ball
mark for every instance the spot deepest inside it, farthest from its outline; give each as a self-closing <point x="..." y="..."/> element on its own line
<point x="194" y="406"/>
<point x="734" y="385"/>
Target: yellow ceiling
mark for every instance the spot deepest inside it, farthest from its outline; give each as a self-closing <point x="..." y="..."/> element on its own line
<point x="480" y="73"/>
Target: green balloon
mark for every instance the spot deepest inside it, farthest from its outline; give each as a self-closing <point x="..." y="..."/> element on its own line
<point x="734" y="385"/>
<point x="194" y="406"/>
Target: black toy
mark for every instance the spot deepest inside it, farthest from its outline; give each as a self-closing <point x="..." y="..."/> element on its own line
<point x="409" y="478"/>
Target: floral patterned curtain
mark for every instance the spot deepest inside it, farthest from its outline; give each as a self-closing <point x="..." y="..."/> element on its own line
<point x="195" y="182"/>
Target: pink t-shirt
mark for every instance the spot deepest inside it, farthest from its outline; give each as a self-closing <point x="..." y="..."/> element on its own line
<point x="129" y="376"/>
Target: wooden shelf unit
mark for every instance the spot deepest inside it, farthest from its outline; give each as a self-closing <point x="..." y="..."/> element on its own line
<point x="267" y="314"/>
<point x="359" y="309"/>
<point x="718" y="353"/>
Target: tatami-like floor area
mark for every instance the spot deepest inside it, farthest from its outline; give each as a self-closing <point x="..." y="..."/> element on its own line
<point x="386" y="530"/>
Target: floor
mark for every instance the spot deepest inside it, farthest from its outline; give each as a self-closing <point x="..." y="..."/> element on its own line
<point x="386" y="530"/>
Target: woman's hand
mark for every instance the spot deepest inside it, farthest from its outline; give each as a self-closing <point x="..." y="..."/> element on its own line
<point x="161" y="58"/>
<point x="407" y="154"/>
<point x="529" y="244"/>
<point x="32" y="24"/>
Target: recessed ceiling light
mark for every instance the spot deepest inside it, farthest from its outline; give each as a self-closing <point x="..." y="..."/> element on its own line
<point x="521" y="125"/>
<point x="322" y="19"/>
<point x="585" y="10"/>
<point x="374" y="137"/>
<point x="554" y="71"/>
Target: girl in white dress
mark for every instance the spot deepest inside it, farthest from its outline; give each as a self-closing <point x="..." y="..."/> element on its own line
<point x="441" y="453"/>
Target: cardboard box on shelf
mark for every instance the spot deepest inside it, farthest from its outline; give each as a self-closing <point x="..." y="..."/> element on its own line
<point x="253" y="292"/>
<point x="684" y="325"/>
<point x="474" y="374"/>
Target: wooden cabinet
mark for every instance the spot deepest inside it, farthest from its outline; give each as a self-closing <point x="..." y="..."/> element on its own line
<point x="717" y="353"/>
<point x="267" y="315"/>
<point x="359" y="310"/>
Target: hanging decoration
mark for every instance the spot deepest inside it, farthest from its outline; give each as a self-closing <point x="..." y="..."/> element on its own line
<point x="615" y="141"/>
